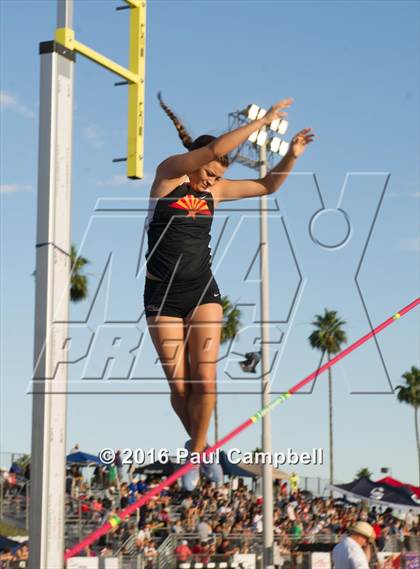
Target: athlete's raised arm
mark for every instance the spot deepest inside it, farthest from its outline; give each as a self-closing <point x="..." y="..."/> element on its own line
<point x="181" y="164"/>
<point x="226" y="190"/>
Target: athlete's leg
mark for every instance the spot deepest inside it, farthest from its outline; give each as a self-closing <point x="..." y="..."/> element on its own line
<point x="203" y="337"/>
<point x="168" y="336"/>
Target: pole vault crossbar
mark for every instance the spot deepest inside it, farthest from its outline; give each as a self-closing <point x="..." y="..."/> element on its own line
<point x="134" y="76"/>
<point x="115" y="520"/>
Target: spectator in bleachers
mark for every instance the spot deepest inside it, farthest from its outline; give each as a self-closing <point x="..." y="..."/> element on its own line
<point x="112" y="476"/>
<point x="226" y="549"/>
<point x="150" y="554"/>
<point x="143" y="535"/>
<point x="204" y="529"/>
<point x="183" y="552"/>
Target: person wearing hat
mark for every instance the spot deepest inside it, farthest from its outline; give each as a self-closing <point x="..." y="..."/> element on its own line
<point x="353" y="552"/>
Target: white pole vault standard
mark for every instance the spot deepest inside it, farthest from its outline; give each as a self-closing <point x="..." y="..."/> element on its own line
<point x="265" y="369"/>
<point x="48" y="455"/>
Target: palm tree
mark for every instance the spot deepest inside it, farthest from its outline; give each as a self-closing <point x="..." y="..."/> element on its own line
<point x="328" y="337"/>
<point x="78" y="281"/>
<point x="23" y="460"/>
<point x="410" y="394"/>
<point x="363" y="473"/>
<point x="231" y="325"/>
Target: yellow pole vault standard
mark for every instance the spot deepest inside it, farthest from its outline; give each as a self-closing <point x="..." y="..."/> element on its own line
<point x="134" y="75"/>
<point x="136" y="91"/>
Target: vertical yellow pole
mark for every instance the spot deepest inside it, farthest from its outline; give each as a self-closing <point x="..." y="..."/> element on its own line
<point x="136" y="91"/>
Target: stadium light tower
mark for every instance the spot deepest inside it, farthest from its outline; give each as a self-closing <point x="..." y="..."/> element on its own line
<point x="256" y="153"/>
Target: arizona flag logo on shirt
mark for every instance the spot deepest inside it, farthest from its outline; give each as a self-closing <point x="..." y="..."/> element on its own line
<point x="193" y="205"/>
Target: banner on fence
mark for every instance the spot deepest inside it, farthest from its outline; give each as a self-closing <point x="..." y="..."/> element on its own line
<point x="83" y="563"/>
<point x="109" y="563"/>
<point x="390" y="560"/>
<point x="247" y="560"/>
<point x="320" y="560"/>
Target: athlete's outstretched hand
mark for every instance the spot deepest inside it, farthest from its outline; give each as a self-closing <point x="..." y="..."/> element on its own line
<point x="300" y="140"/>
<point x="275" y="112"/>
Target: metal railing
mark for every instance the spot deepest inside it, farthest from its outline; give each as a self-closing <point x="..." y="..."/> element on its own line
<point x="166" y="559"/>
<point x="14" y="503"/>
<point x="166" y="551"/>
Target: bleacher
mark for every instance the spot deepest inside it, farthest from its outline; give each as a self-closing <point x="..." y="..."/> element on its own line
<point x="209" y="565"/>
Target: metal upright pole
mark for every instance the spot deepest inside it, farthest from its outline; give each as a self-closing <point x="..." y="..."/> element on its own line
<point x="265" y="382"/>
<point x="46" y="530"/>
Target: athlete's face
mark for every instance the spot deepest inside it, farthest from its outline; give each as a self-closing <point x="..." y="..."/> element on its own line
<point x="206" y="176"/>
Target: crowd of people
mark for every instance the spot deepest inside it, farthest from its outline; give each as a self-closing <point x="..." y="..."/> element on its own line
<point x="224" y="520"/>
<point x="9" y="555"/>
<point x="216" y="522"/>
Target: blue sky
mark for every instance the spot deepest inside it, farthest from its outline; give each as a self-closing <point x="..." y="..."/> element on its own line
<point x="353" y="70"/>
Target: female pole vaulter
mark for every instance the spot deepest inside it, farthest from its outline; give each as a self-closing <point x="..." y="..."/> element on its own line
<point x="182" y="300"/>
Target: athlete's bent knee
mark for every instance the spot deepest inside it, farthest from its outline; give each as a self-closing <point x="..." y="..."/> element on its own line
<point x="203" y="383"/>
<point x="179" y="389"/>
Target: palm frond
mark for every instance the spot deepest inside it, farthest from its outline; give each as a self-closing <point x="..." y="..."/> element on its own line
<point x="410" y="392"/>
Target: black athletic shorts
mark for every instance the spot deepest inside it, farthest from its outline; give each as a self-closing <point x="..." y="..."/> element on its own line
<point x="176" y="300"/>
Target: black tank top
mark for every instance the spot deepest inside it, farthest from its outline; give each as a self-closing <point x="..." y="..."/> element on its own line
<point x="178" y="231"/>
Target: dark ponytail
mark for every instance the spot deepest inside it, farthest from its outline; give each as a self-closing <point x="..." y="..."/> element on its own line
<point x="186" y="139"/>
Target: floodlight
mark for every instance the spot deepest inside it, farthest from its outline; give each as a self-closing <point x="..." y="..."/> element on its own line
<point x="275" y="144"/>
<point x="253" y="137"/>
<point x="284" y="147"/>
<point x="275" y="125"/>
<point x="253" y="111"/>
<point x="261" y="138"/>
<point x="282" y="127"/>
<point x="251" y="361"/>
<point x="261" y="113"/>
